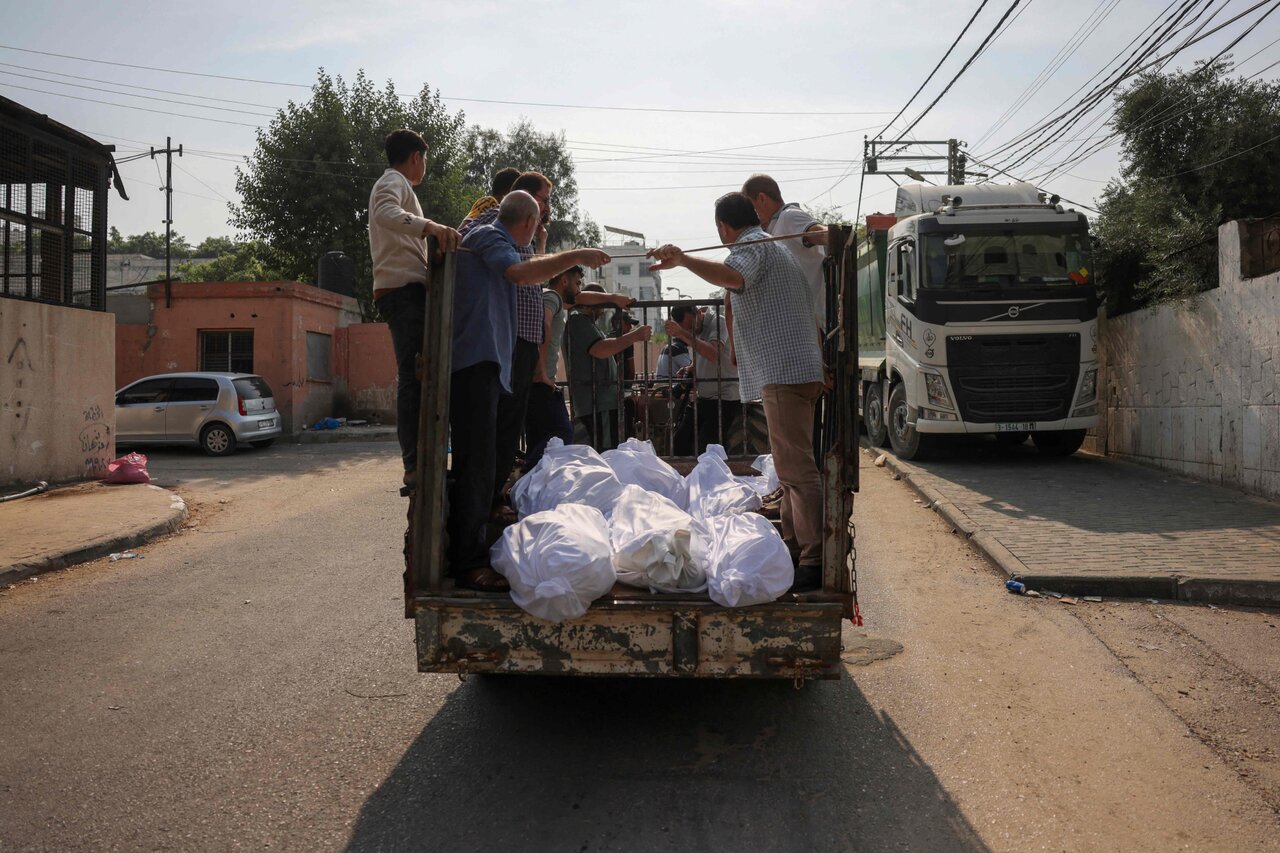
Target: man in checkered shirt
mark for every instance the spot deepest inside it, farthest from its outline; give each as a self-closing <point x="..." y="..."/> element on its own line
<point x="529" y="319"/>
<point x="779" y="362"/>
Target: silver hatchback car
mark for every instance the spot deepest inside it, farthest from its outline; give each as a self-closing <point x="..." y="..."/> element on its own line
<point x="214" y="411"/>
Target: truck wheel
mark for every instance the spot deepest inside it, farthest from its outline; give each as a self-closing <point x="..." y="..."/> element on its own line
<point x="873" y="415"/>
<point x="1062" y="443"/>
<point x="906" y="442"/>
<point x="218" y="440"/>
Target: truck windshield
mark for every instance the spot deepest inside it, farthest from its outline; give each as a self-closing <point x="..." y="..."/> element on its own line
<point x="1005" y="258"/>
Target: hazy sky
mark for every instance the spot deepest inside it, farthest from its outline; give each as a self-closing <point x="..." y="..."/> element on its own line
<point x="857" y="62"/>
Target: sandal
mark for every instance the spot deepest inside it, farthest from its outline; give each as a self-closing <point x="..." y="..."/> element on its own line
<point x="483" y="579"/>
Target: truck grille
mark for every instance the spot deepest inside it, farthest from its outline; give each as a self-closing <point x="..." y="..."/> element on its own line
<point x="1004" y="378"/>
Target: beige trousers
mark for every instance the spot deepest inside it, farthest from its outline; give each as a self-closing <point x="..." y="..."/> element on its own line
<point x="789" y="412"/>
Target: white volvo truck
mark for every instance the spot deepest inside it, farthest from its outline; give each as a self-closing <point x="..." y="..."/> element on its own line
<point x="977" y="313"/>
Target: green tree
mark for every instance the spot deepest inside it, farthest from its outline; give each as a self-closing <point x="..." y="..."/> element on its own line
<point x="1199" y="150"/>
<point x="251" y="260"/>
<point x="526" y="148"/>
<point x="305" y="189"/>
<point x="215" y="247"/>
<point x="150" y="244"/>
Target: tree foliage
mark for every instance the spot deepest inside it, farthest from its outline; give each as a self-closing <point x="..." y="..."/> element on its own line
<point x="250" y="260"/>
<point x="305" y="189"/>
<point x="526" y="148"/>
<point x="150" y="244"/>
<point x="1199" y="150"/>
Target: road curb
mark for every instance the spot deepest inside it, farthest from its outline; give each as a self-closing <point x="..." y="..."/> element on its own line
<point x="1250" y="593"/>
<point x="331" y="436"/>
<point x="100" y="547"/>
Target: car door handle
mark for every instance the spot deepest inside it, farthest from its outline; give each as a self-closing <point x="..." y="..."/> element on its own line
<point x="205" y="408"/>
<point x="159" y="408"/>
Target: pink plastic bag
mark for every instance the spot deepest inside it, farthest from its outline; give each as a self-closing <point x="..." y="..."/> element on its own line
<point x="130" y="468"/>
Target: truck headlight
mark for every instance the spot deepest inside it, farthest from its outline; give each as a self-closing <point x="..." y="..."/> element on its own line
<point x="936" y="388"/>
<point x="1088" y="387"/>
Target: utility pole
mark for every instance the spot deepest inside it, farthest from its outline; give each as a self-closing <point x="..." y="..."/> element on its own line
<point x="884" y="152"/>
<point x="168" y="151"/>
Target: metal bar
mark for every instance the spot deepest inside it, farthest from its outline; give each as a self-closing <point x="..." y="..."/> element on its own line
<point x="433" y="425"/>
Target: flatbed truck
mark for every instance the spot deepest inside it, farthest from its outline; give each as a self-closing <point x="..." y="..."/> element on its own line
<point x="631" y="632"/>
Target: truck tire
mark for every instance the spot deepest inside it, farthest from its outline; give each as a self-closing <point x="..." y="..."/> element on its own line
<point x="1062" y="443"/>
<point x="873" y="415"/>
<point x="906" y="442"/>
<point x="218" y="440"/>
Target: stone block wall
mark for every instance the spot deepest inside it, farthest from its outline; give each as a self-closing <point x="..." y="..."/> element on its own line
<point x="1196" y="389"/>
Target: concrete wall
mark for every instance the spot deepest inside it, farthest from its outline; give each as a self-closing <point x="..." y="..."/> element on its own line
<point x="1194" y="389"/>
<point x="365" y="372"/>
<point x="57" y="412"/>
<point x="280" y="315"/>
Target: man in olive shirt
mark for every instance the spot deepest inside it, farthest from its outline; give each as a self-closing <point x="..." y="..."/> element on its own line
<point x="593" y="371"/>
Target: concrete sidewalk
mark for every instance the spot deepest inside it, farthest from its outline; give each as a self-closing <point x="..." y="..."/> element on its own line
<point x="77" y="523"/>
<point x="1088" y="525"/>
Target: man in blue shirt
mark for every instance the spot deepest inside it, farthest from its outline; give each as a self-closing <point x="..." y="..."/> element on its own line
<point x="484" y="335"/>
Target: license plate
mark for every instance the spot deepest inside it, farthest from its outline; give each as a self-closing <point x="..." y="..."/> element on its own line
<point x="266" y="424"/>
<point x="1023" y="427"/>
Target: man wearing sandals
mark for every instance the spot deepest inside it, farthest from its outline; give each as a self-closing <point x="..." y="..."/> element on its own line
<point x="490" y="270"/>
<point x="779" y="362"/>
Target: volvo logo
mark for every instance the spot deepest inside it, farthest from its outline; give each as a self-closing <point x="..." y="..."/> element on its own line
<point x="1014" y="311"/>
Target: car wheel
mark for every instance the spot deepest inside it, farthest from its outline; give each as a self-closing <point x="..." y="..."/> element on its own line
<point x="218" y="440"/>
<point x="906" y="442"/>
<point x="1062" y="443"/>
<point x="873" y="415"/>
<point x="263" y="443"/>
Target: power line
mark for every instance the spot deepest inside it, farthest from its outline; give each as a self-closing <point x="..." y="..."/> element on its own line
<point x="142" y="88"/>
<point x="604" y="107"/>
<point x="129" y="106"/>
<point x="990" y="36"/>
<point x="132" y="95"/>
<point x="917" y="92"/>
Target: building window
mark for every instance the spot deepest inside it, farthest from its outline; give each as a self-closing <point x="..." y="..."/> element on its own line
<point x="624" y="269"/>
<point x="318" y="348"/>
<point x="226" y="352"/>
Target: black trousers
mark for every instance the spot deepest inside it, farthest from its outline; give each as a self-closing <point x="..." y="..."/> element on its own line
<point x="715" y="419"/>
<point x="512" y="409"/>
<point x="473" y="421"/>
<point x="405" y="311"/>
<point x="546" y="419"/>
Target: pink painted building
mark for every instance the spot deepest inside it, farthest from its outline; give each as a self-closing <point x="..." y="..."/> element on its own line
<point x="309" y="344"/>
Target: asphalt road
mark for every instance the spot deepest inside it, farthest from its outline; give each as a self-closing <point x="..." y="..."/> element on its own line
<point x="251" y="684"/>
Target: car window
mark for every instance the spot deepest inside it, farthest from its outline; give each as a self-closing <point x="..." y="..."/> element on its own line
<point x="150" y="391"/>
<point x="193" y="390"/>
<point x="252" y="387"/>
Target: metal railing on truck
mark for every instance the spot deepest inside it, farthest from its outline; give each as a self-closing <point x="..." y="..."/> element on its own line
<point x="431" y="599"/>
<point x="652" y="406"/>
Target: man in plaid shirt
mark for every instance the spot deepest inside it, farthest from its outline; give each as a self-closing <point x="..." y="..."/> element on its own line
<point x="529" y="330"/>
<point x="779" y="362"/>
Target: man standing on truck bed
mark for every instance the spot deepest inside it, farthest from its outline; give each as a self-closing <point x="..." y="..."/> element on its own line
<point x="547" y="417"/>
<point x="489" y="274"/>
<point x="779" y="361"/>
<point x="397" y="242"/>
<point x="529" y="329"/>
<point x="592" y="363"/>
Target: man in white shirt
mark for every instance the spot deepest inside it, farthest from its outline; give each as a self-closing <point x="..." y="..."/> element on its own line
<point x="778" y="217"/>
<point x="397" y="242"/>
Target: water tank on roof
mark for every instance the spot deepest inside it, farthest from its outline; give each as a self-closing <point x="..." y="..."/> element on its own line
<point x="337" y="274"/>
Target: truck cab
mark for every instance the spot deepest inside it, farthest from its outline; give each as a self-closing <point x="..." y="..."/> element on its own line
<point x="989" y="319"/>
